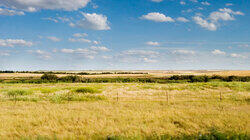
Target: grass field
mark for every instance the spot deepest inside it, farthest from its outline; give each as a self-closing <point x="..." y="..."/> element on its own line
<point x="125" y="111"/>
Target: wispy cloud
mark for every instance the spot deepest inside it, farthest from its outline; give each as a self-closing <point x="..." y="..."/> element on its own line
<point x="14" y="42"/>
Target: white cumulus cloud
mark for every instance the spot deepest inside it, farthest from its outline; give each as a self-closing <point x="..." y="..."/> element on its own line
<point x="157" y="17"/>
<point x="218" y="52"/>
<point x="235" y="55"/>
<point x="152" y="43"/>
<point x="212" y="22"/>
<point x="93" y="21"/>
<point x="182" y="19"/>
<point x="204" y="23"/>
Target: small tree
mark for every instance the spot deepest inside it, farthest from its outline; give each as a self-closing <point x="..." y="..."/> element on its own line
<point x="49" y="77"/>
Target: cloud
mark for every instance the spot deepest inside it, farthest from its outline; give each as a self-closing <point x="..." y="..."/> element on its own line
<point x="229" y="4"/>
<point x="182" y="2"/>
<point x="140" y="52"/>
<point x="212" y="22"/>
<point x="9" y="12"/>
<point x="50" y="19"/>
<point x="88" y="53"/>
<point x="182" y="19"/>
<point x="35" y="5"/>
<point x="194" y="1"/>
<point x="216" y="16"/>
<point x="183" y="52"/>
<point x="96" y="42"/>
<point x="4" y="54"/>
<point x="204" y="23"/>
<point x="224" y="14"/>
<point x="218" y="52"/>
<point x="148" y="60"/>
<point x="80" y="35"/>
<point x="67" y="50"/>
<point x="235" y="55"/>
<point x="41" y="54"/>
<point x="93" y="21"/>
<point x="244" y="46"/>
<point x="151" y="43"/>
<point x="157" y="17"/>
<point x="100" y="48"/>
<point x="156" y="0"/>
<point x="205" y="3"/>
<point x="14" y="42"/>
<point x="137" y="56"/>
<point x="53" y="38"/>
<point x="80" y="40"/>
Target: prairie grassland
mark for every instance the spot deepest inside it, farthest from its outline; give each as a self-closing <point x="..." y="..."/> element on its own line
<point x="123" y="111"/>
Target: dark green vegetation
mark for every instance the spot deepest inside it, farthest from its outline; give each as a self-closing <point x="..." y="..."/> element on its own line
<point x="78" y="73"/>
<point x="52" y="78"/>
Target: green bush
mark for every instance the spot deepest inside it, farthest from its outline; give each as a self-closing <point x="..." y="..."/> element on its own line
<point x="86" y="90"/>
<point x="71" y="79"/>
<point x="49" y="77"/>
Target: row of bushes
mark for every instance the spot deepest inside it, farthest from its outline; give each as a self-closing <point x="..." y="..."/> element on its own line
<point x="173" y="79"/>
<point x="205" y="78"/>
<point x="49" y="78"/>
<point x="80" y="73"/>
<point x="7" y="71"/>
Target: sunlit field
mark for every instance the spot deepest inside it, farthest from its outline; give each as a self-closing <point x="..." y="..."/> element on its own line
<point x="125" y="110"/>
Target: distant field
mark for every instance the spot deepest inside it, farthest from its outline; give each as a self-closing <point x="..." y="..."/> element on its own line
<point x="125" y="111"/>
<point x="151" y="73"/>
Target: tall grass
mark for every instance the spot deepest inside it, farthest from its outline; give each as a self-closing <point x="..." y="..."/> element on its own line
<point x="194" y="111"/>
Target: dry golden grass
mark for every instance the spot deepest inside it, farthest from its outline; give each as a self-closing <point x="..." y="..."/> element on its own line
<point x="235" y="73"/>
<point x="141" y="110"/>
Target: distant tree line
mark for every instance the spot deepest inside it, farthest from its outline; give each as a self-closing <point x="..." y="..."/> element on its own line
<point x="77" y="73"/>
<point x="52" y="78"/>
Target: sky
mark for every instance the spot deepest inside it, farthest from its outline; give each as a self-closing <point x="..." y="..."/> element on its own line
<point x="124" y="35"/>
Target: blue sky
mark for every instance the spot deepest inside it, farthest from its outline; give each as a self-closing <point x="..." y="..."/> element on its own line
<point x="124" y="34"/>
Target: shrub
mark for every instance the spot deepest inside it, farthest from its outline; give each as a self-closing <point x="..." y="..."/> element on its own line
<point x="86" y="90"/>
<point x="49" y="77"/>
<point x="71" y="79"/>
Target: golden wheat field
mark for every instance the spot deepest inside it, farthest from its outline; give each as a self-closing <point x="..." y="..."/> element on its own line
<point x="124" y="111"/>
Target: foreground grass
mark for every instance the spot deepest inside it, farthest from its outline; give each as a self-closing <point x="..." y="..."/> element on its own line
<point x="125" y="111"/>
